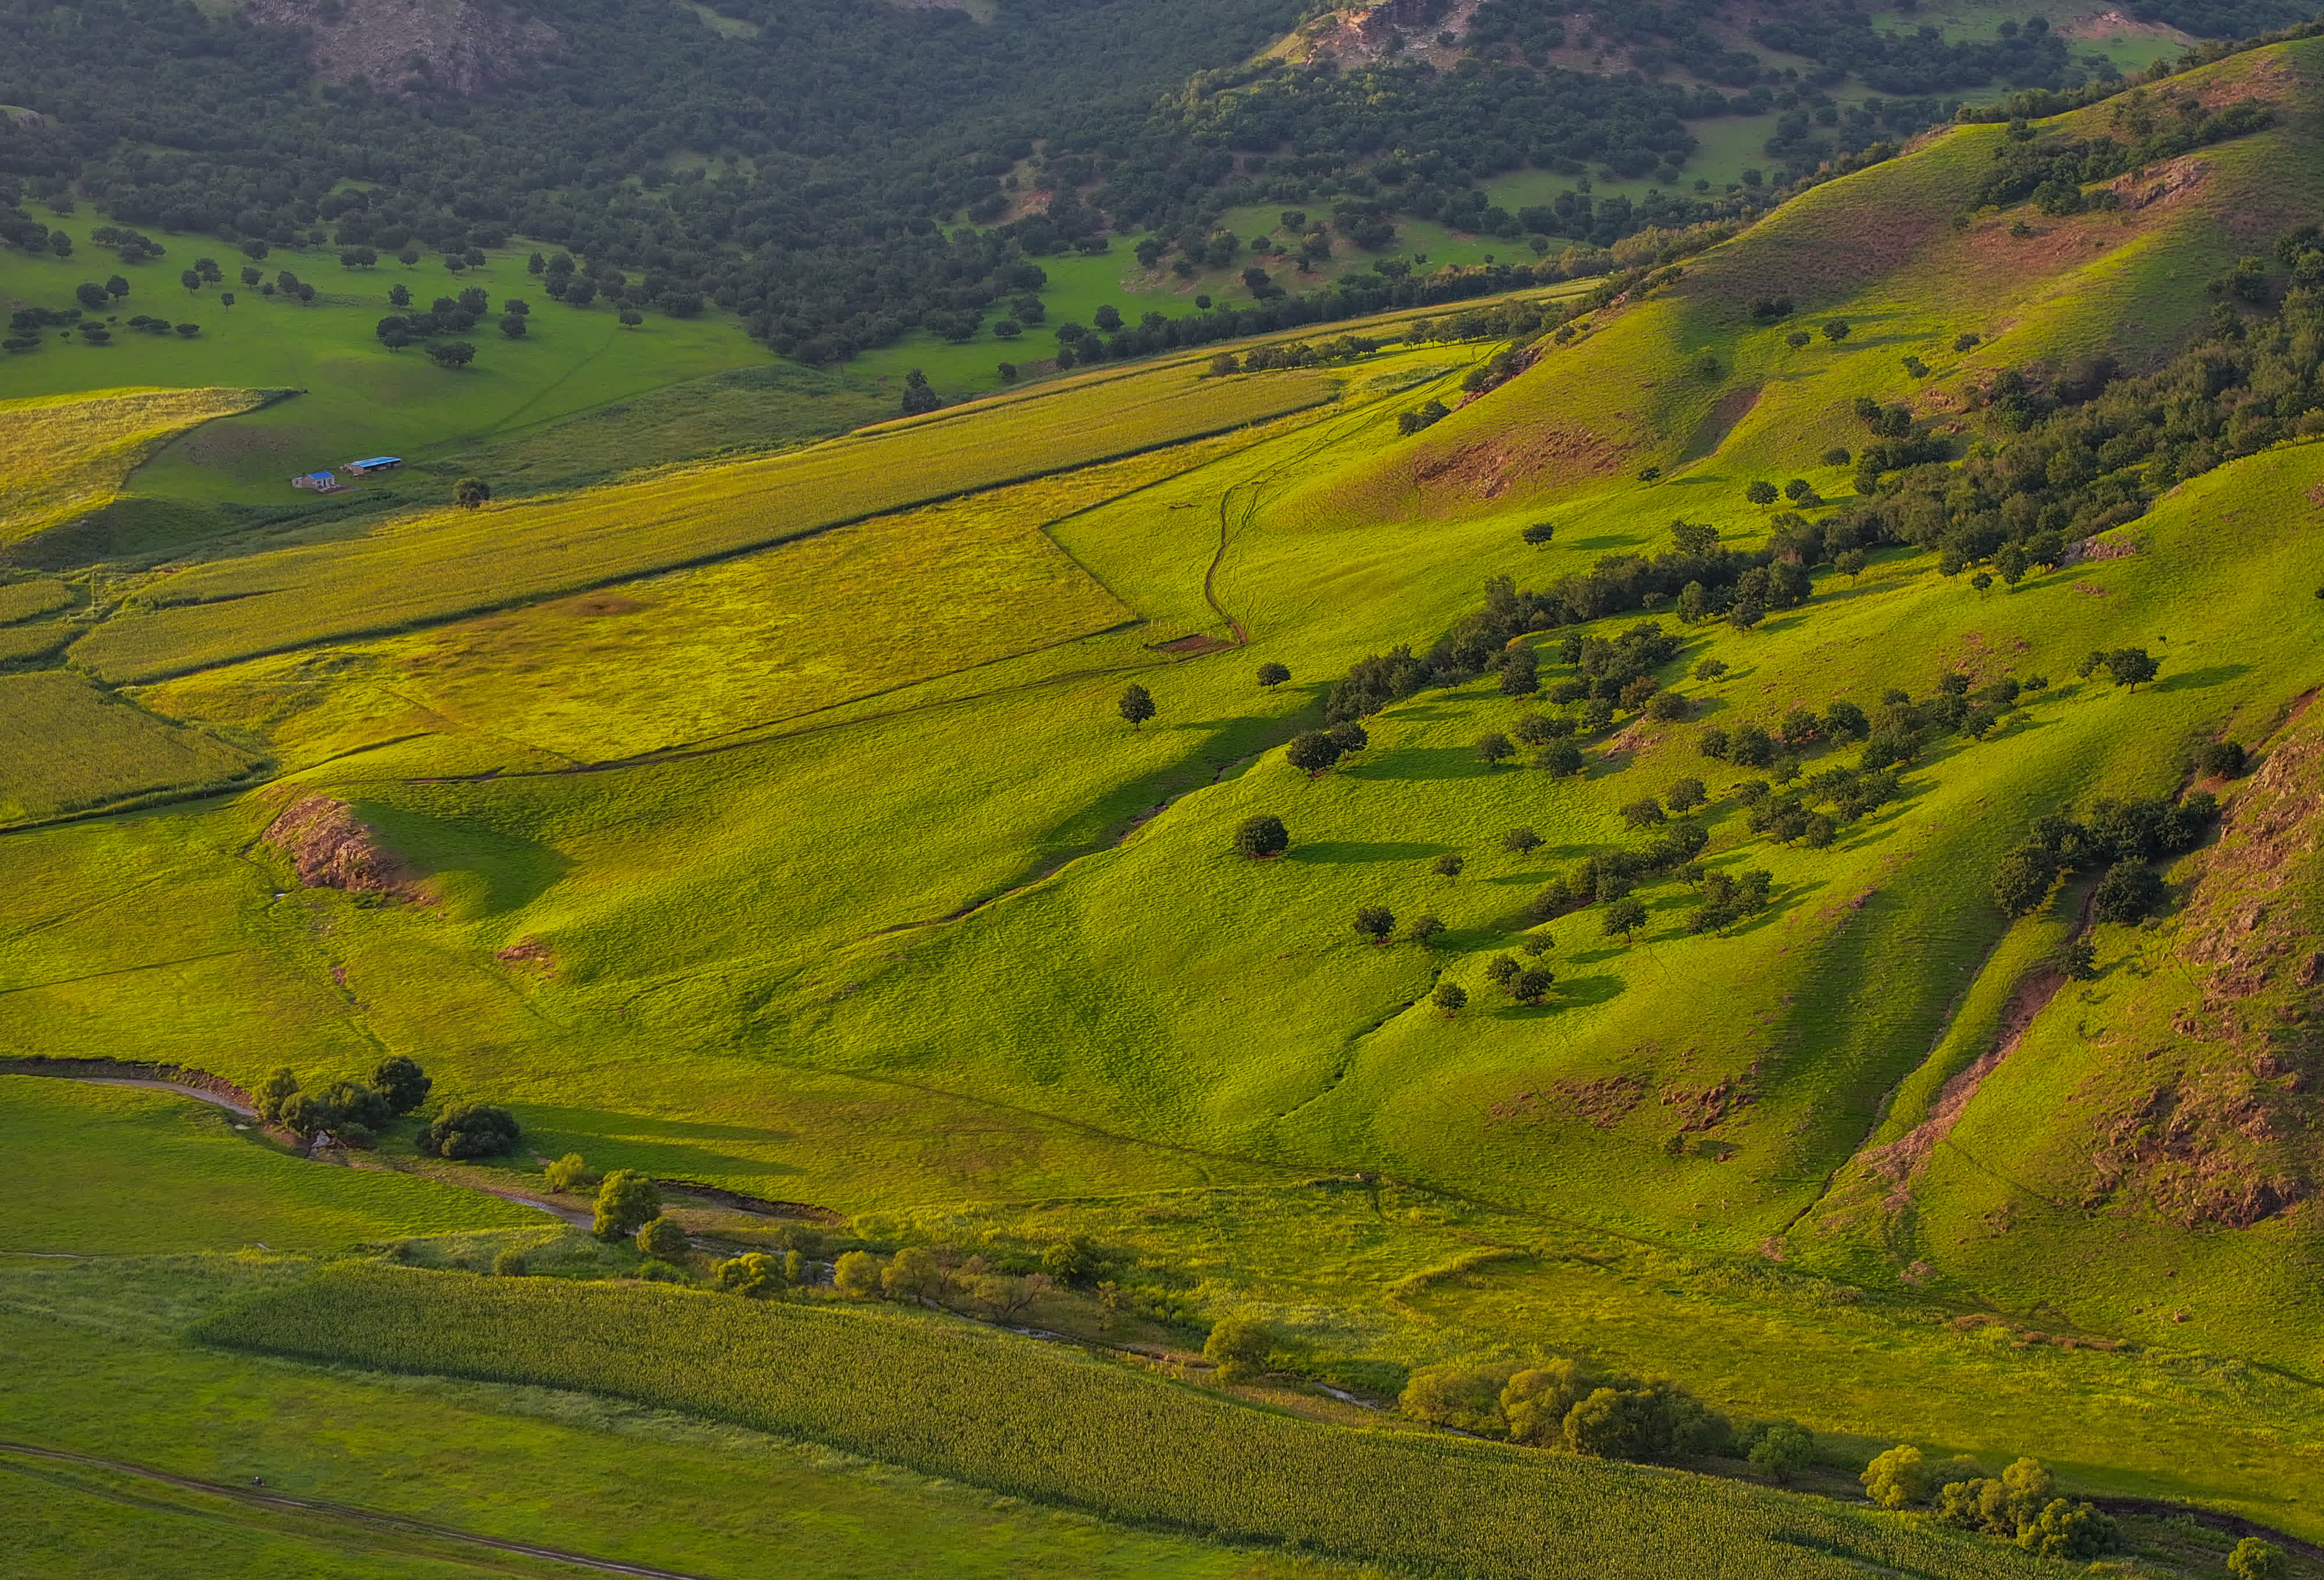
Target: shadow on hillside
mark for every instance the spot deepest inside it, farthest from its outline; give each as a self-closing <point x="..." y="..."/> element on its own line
<point x="680" y="1148"/>
<point x="1423" y="762"/>
<point x="1571" y="992"/>
<point x="2201" y="679"/>
<point x="1342" y="852"/>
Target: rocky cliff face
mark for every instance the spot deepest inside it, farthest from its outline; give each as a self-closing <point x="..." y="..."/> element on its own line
<point x="413" y="46"/>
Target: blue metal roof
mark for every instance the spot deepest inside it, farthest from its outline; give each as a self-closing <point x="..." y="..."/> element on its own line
<point x="321" y="476"/>
<point x="379" y="461"/>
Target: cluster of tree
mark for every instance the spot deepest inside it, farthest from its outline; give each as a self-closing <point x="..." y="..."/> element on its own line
<point x="1557" y="1404"/>
<point x="1314" y="752"/>
<point x="992" y="1282"/>
<point x="2021" y="1505"/>
<point x="447" y="316"/>
<point x="2053" y="170"/>
<point x="1702" y="579"/>
<point x="1607" y="876"/>
<point x="2118" y="837"/>
<point x="2084" y="450"/>
<point x="348" y="1110"/>
<point x="1843" y="40"/>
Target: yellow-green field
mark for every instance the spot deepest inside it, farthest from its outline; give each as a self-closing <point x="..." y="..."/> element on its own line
<point x="64" y="456"/>
<point x="455" y="562"/>
<point x="65" y="745"/>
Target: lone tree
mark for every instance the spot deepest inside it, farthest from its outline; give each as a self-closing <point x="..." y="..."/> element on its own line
<point x="1539" y="533"/>
<point x="470" y="1130"/>
<point x="1261" y="837"/>
<point x="2222" y="759"/>
<point x="1760" y="492"/>
<point x="1375" y="923"/>
<point x="472" y="492"/>
<point x="1494" y="747"/>
<point x="2254" y="1559"/>
<point x="451" y="354"/>
<point x="1532" y="985"/>
<point x="1643" y="812"/>
<point x="663" y="1238"/>
<point x="1423" y="931"/>
<point x="1239" y="1346"/>
<point x="1625" y="916"/>
<point x="626" y="1202"/>
<point x="401" y="1083"/>
<point x="1136" y="705"/>
<point x="1521" y="840"/>
<point x="1447" y="864"/>
<point x="2131" y="667"/>
<point x="1311" y="753"/>
<point x="2129" y="892"/>
<point x="1271" y="675"/>
<point x="1836" y="331"/>
<point x="1502" y="970"/>
<point x="1450" y="997"/>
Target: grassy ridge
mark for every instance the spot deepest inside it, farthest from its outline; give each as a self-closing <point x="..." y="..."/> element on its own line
<point x="65" y="745"/>
<point x="1030" y="1419"/>
<point x="116" y="1169"/>
<point x="454" y="562"/>
<point x="63" y="455"/>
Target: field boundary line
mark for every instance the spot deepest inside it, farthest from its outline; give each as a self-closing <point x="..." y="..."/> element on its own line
<point x="284" y="1502"/>
<point x="356" y="633"/>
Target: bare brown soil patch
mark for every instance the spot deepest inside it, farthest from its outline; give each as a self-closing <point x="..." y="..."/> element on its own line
<point x="1902" y="1158"/>
<point x="2104" y="24"/>
<point x="1192" y="646"/>
<point x="1605" y="1102"/>
<point x="331" y="848"/>
<point x="1486" y="470"/>
<point x="530" y="954"/>
<point x="2161" y="183"/>
<point x="413" y="46"/>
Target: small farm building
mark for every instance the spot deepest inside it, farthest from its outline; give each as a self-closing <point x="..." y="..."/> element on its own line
<point x="320" y="482"/>
<point x="376" y="464"/>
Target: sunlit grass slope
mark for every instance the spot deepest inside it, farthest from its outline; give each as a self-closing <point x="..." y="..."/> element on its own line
<point x="65" y="745"/>
<point x="1899" y="252"/>
<point x="113" y="1170"/>
<point x="455" y="562"/>
<point x="64" y="456"/>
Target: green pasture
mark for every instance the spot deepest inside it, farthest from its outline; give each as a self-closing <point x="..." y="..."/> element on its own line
<point x="1035" y="1420"/>
<point x="451" y="562"/>
<point x="116" y="1169"/>
<point x="101" y="1370"/>
<point x="830" y="872"/>
<point x="67" y="746"/>
<point x="357" y="397"/>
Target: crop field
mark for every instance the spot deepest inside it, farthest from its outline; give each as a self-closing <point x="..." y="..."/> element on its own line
<point x="695" y="656"/>
<point x="115" y="1171"/>
<point x="64" y="456"/>
<point x="447" y="562"/>
<point x="65" y="745"/>
<point x="1026" y="1419"/>
<point x="100" y="1369"/>
<point x="27" y="600"/>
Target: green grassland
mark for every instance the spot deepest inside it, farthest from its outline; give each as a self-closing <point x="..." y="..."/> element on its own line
<point x="436" y="564"/>
<point x="357" y="398"/>
<point x="899" y="918"/>
<point x="114" y="1170"/>
<point x="102" y="1369"/>
<point x="1036" y="1422"/>
<point x="65" y="745"/>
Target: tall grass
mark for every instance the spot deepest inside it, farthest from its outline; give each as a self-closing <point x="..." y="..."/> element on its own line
<point x="1039" y="1422"/>
<point x="62" y="456"/>
<point x="455" y="562"/>
<point x="65" y="746"/>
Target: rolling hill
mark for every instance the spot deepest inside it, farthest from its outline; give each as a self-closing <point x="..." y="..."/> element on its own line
<point x="1863" y="662"/>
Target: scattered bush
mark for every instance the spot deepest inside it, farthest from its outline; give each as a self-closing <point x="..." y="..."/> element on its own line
<point x="626" y="1202"/>
<point x="470" y="1130"/>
